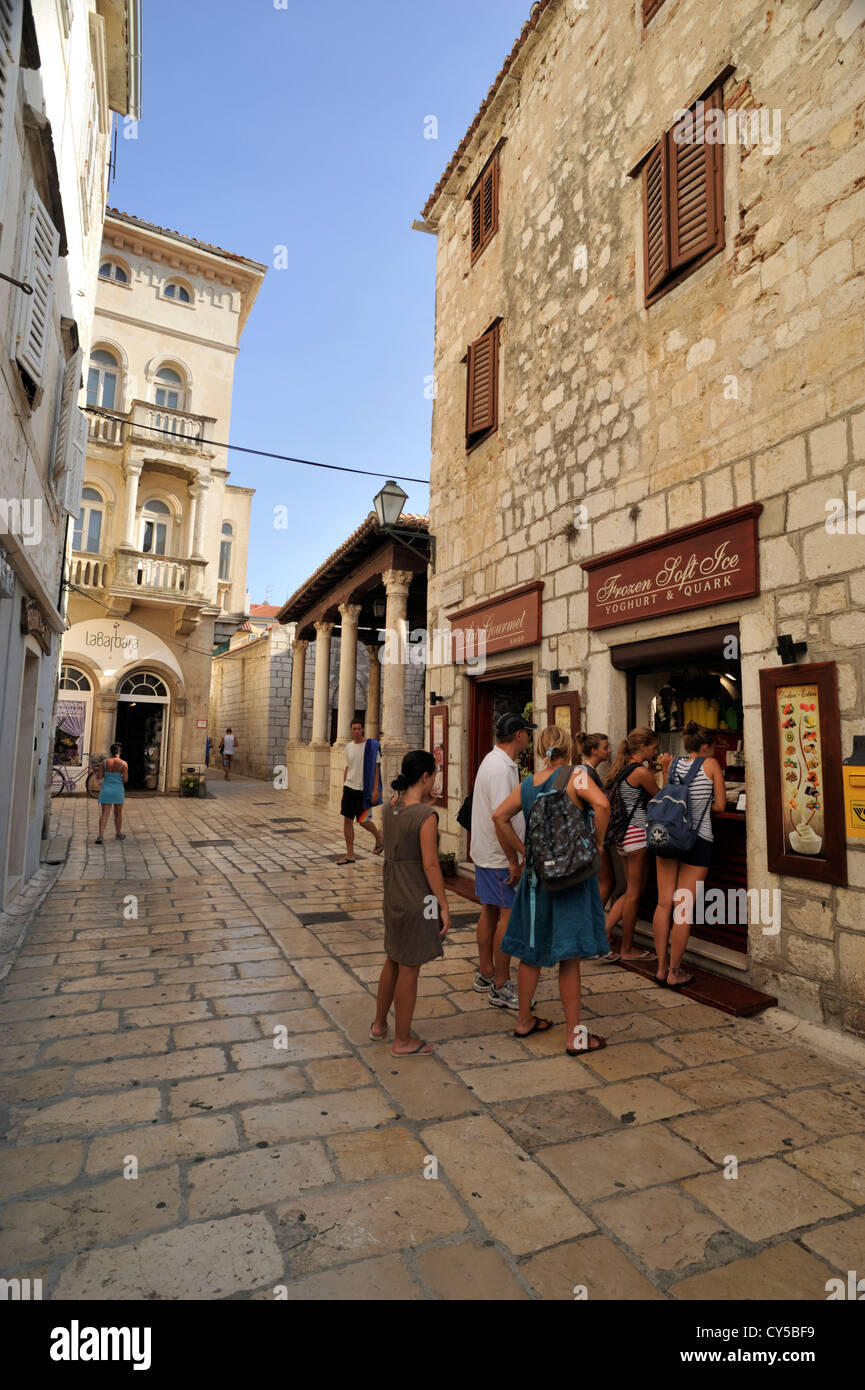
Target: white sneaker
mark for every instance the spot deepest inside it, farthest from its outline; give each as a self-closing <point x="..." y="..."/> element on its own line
<point x="506" y="997"/>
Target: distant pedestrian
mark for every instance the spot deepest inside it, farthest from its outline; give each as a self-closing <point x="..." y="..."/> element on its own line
<point x="631" y="783"/>
<point x="114" y="773"/>
<point x="496" y="876"/>
<point x="555" y="928"/>
<point x="228" y="747"/>
<point x="361" y="789"/>
<point x="207" y="751"/>
<point x="678" y="878"/>
<point x="416" y="912"/>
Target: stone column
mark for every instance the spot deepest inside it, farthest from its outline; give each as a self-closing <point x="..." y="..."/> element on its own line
<point x="133" y="473"/>
<point x="200" y="518"/>
<point x="350" y="616"/>
<point x="298" y="675"/>
<point x="323" y="634"/>
<point x="194" y="493"/>
<point x="393" y="739"/>
<point x="373" y="700"/>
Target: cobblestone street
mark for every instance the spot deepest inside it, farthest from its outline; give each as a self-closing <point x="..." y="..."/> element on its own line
<point x="150" y="1041"/>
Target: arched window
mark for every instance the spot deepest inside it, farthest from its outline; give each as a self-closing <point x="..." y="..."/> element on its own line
<point x="73" y="679"/>
<point x="169" y="388"/>
<point x="87" y="531"/>
<point x="225" y="550"/>
<point x="174" y="290"/>
<point x="112" y="270"/>
<point x="155" y="524"/>
<point x="102" y="379"/>
<point x="143" y="684"/>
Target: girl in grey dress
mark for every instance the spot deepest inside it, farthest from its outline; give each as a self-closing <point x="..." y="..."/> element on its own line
<point x="416" y="912"/>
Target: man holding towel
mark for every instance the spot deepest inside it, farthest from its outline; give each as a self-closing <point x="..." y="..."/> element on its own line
<point x="361" y="789"/>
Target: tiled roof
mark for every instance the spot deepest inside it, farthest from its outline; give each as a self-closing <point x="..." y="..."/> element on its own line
<point x="366" y="529"/>
<point x="179" y="236"/>
<point x="530" y="25"/>
<point x="263" y="610"/>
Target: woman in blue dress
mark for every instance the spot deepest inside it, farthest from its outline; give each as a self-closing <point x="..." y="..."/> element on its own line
<point x="563" y="928"/>
<point x="115" y="774"/>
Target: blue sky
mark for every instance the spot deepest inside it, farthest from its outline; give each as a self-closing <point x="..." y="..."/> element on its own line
<point x="304" y="127"/>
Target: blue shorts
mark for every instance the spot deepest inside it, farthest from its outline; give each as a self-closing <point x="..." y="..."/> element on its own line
<point x="491" y="886"/>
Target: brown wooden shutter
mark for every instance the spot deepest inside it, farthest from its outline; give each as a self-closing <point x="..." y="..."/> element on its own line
<point x="656" y="196"/>
<point x="485" y="208"/>
<point x="693" y="200"/>
<point x="477" y="219"/>
<point x="481" y="402"/>
<point x="650" y="9"/>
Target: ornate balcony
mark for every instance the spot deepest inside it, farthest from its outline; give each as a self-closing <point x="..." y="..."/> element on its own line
<point x="174" y="430"/>
<point x="159" y="576"/>
<point x="89" y="571"/>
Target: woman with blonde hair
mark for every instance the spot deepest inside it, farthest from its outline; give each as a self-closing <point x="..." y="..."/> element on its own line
<point x="678" y="878"/>
<point x="554" y="928"/>
<point x="632" y="785"/>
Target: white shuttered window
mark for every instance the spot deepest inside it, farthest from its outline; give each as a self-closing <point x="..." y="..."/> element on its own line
<point x="37" y="262"/>
<point x="10" y="50"/>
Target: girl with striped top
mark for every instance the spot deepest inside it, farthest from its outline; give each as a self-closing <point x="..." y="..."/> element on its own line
<point x="706" y="794"/>
<point x="636" y="789"/>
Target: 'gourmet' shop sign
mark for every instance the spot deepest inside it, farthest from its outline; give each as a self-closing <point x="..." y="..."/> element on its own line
<point x="713" y="561"/>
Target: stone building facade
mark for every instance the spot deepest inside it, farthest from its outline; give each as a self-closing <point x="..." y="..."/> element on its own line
<point x="624" y="414"/>
<point x="158" y="551"/>
<point x="66" y="71"/>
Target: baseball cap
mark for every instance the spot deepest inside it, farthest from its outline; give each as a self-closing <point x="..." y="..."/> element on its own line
<point x="510" y="724"/>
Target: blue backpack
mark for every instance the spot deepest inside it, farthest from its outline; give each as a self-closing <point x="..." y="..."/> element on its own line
<point x="669" y="831"/>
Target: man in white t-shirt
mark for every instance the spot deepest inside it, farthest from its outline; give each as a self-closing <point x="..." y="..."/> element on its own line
<point x="228" y="748"/>
<point x="497" y="777"/>
<point x="361" y="789"/>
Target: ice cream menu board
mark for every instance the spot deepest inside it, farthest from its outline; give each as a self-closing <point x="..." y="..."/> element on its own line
<point x="802" y="767"/>
<point x="805" y="834"/>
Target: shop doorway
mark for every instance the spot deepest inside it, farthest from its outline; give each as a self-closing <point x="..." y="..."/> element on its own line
<point x="697" y="676"/>
<point x="504" y="692"/>
<point x="141" y="729"/>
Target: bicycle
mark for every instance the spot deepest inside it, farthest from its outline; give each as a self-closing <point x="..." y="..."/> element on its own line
<point x="63" y="781"/>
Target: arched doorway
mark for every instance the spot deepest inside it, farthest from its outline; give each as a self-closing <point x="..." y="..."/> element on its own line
<point x="73" y="717"/>
<point x="141" y="729"/>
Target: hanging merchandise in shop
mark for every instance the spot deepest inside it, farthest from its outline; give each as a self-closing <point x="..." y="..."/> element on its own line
<point x="714" y="561"/>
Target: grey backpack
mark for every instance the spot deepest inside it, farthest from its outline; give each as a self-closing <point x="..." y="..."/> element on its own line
<point x="560" y="841"/>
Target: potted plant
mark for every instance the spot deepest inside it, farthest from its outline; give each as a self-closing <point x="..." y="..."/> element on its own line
<point x="448" y="863"/>
<point x="189" y="783"/>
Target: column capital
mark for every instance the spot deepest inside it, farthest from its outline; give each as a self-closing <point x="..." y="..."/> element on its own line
<point x="300" y="644"/>
<point x="132" y="468"/>
<point x="350" y="612"/>
<point x="397" y="581"/>
<point x="323" y="628"/>
<point x="374" y="651"/>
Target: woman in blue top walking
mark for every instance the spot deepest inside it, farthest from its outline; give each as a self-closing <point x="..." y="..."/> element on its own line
<point x="115" y="774"/>
<point x="544" y="928"/>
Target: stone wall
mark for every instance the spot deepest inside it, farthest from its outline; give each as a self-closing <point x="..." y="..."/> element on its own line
<point x="249" y="694"/>
<point x="744" y="383"/>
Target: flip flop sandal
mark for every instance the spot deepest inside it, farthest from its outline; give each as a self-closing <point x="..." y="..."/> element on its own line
<point x="610" y="958"/>
<point x="680" y="984"/>
<point x="379" y="849"/>
<point x="415" y="1052"/>
<point x="345" y="861"/>
<point x="581" y="1051"/>
<point x="539" y="1025"/>
<point x="98" y="840"/>
<point x="662" y="983"/>
<point x="378" y="1037"/>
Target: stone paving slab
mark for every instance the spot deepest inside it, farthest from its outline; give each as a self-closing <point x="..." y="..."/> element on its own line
<point x="219" y="1044"/>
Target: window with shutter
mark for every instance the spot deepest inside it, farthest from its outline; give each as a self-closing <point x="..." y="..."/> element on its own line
<point x="10" y="52"/>
<point x="482" y="387"/>
<point x="484" y="199"/>
<point x="650" y="9"/>
<point x="77" y="453"/>
<point x="39" y="245"/>
<point x="683" y="201"/>
<point x="68" y="404"/>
